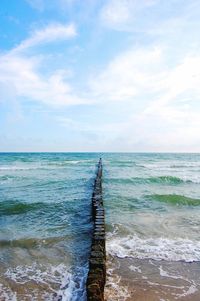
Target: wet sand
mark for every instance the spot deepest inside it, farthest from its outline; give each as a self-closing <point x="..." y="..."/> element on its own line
<point x="148" y="280"/>
<point x="30" y="286"/>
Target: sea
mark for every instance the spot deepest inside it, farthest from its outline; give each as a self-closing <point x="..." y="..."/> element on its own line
<point x="152" y="214"/>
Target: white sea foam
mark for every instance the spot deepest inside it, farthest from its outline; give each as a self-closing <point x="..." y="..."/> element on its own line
<point x="71" y="284"/>
<point x="14" y="168"/>
<point x="164" y="273"/>
<point x="73" y="287"/>
<point x="41" y="165"/>
<point x="155" y="248"/>
<point x="165" y="165"/>
<point x="6" y="294"/>
<point x="63" y="163"/>
<point x="165" y="285"/>
<point x="187" y="290"/>
<point x="73" y="161"/>
<point x="191" y="290"/>
<point x="24" y="274"/>
<point x="114" y="291"/>
<point x="135" y="269"/>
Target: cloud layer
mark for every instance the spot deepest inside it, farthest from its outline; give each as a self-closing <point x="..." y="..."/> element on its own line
<point x="117" y="75"/>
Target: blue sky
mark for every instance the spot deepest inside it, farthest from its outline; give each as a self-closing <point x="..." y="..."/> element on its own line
<point x="96" y="75"/>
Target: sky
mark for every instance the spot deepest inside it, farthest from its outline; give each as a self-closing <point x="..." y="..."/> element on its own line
<point x="100" y="75"/>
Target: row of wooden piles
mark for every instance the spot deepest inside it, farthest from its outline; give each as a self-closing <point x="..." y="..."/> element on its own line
<point x="97" y="261"/>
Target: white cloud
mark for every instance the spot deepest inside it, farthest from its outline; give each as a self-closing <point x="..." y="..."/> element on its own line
<point x="128" y="74"/>
<point x="119" y="14"/>
<point x="163" y="99"/>
<point x="20" y="71"/>
<point x="50" y="33"/>
<point x="137" y="73"/>
<point x="20" y="74"/>
<point x="180" y="81"/>
<point x="116" y="12"/>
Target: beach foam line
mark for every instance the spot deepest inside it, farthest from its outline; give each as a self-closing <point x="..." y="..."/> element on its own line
<point x="114" y="291"/>
<point x="70" y="282"/>
<point x="160" y="248"/>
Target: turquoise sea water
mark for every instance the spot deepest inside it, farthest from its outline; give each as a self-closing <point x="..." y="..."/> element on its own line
<point x="152" y="204"/>
<point x="45" y="225"/>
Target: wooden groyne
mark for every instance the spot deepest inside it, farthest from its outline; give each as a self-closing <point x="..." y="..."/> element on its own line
<point x="97" y="261"/>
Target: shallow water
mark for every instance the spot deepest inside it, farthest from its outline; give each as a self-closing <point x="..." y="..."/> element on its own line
<point x="152" y="204"/>
<point x="45" y="225"/>
<point x="153" y="220"/>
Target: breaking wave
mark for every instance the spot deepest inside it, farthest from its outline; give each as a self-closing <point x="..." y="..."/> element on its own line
<point x="178" y="249"/>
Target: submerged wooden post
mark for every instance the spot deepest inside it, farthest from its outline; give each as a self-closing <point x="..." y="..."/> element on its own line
<point x="97" y="262"/>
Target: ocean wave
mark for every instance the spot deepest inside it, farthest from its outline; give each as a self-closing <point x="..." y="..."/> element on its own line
<point x="31" y="242"/>
<point x="13" y="207"/>
<point x="42" y="165"/>
<point x="64" y="163"/>
<point x="168" y="165"/>
<point x="5" y="178"/>
<point x="14" y="168"/>
<point x="159" y="179"/>
<point x="16" y="207"/>
<point x="155" y="248"/>
<point x="28" y="168"/>
<point x="174" y="199"/>
<point x="122" y="163"/>
<point x="167" y="180"/>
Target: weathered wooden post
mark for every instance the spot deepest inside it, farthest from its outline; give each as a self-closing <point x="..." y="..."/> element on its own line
<point x="97" y="262"/>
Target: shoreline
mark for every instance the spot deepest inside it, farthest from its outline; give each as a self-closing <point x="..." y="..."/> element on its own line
<point x="141" y="280"/>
